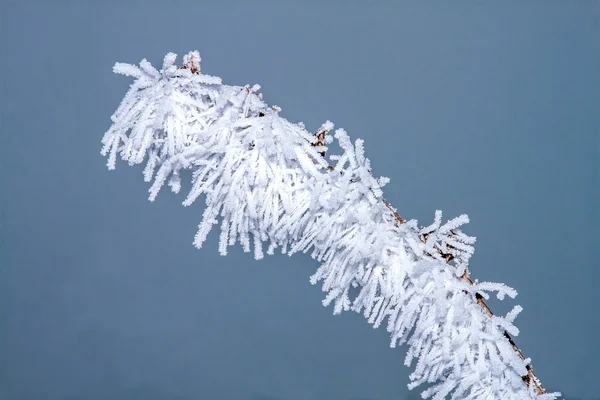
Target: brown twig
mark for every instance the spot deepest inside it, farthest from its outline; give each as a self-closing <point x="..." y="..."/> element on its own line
<point x="320" y="134"/>
<point x="530" y="378"/>
<point x="192" y="67"/>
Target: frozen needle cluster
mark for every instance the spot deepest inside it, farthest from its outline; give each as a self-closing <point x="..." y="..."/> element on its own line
<point x="268" y="187"/>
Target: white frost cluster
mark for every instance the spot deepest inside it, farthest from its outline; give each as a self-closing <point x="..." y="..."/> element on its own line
<point x="265" y="183"/>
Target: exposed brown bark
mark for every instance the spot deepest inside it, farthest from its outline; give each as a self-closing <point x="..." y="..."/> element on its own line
<point x="320" y="134"/>
<point x="528" y="379"/>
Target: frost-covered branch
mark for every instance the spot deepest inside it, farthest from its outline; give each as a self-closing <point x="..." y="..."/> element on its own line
<point x="266" y="181"/>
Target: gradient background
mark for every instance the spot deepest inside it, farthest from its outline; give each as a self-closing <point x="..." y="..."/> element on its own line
<point x="478" y="108"/>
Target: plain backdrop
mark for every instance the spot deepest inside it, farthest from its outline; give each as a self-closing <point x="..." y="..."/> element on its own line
<point x="489" y="109"/>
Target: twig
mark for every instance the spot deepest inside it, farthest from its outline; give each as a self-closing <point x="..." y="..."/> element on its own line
<point x="320" y="134"/>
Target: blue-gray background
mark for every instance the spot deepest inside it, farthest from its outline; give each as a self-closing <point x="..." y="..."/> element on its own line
<point x="478" y="108"/>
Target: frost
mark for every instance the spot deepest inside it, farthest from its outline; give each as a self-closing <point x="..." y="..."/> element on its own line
<point x="264" y="181"/>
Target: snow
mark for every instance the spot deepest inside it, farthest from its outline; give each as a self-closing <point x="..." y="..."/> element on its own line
<point x="263" y="182"/>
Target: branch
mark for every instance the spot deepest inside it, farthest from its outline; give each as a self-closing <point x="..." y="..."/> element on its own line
<point x="264" y="182"/>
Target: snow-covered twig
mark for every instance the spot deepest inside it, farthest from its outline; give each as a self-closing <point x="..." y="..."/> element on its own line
<point x="266" y="180"/>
